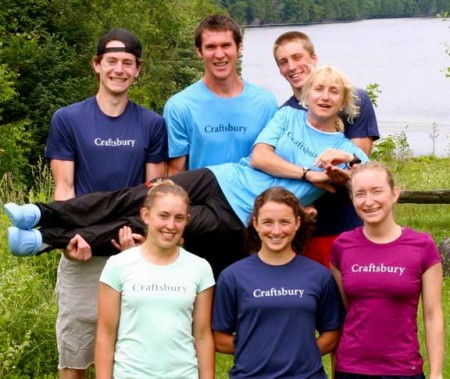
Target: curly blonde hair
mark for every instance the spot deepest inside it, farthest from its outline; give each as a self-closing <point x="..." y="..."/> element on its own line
<point x="351" y="108"/>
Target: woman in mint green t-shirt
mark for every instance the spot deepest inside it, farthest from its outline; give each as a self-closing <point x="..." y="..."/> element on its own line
<point x="154" y="301"/>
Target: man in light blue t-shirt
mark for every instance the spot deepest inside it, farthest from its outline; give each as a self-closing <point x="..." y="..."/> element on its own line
<point x="217" y="119"/>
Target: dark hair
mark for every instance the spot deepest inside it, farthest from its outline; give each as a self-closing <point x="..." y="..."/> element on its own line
<point x="282" y="196"/>
<point x="129" y="39"/>
<point x="217" y="23"/>
<point x="164" y="187"/>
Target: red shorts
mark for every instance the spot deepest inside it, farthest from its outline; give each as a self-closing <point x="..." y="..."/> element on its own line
<point x="319" y="249"/>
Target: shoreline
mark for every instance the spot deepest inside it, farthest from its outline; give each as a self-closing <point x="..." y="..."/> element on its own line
<point x="331" y="22"/>
<point x="422" y="137"/>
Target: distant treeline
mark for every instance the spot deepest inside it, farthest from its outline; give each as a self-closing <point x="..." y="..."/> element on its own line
<point x="264" y="12"/>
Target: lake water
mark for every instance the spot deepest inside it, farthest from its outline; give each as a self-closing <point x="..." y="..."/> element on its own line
<point x="406" y="57"/>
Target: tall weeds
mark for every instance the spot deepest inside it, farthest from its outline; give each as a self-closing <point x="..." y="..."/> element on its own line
<point x="27" y="302"/>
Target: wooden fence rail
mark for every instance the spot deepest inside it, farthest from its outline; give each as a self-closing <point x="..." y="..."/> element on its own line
<point x="432" y="197"/>
<point x="425" y="197"/>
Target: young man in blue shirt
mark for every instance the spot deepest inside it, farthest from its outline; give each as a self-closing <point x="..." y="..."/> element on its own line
<point x="295" y="56"/>
<point x="103" y="143"/>
<point x="216" y="119"/>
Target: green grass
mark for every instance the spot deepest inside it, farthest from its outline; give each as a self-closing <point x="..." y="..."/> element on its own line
<point x="27" y="302"/>
<point x="425" y="173"/>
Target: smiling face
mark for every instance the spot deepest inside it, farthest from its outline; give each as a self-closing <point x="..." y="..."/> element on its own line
<point x="166" y="219"/>
<point x="325" y="97"/>
<point x="295" y="63"/>
<point x="373" y="196"/>
<point x="116" y="70"/>
<point x="220" y="54"/>
<point x="276" y="225"/>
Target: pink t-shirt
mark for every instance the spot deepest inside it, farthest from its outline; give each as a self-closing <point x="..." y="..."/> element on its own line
<point x="382" y="283"/>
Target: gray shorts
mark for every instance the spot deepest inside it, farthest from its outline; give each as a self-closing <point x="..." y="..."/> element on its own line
<point x="76" y="324"/>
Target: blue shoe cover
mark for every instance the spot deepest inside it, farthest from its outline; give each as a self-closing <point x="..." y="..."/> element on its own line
<point x="23" y="216"/>
<point x="23" y="243"/>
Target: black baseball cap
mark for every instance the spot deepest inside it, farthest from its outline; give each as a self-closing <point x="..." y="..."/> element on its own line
<point x="129" y="39"/>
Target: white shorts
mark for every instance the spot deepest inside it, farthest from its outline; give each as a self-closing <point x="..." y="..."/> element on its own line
<point x="76" y="324"/>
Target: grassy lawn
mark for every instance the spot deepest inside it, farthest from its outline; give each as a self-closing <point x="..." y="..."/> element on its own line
<point x="27" y="303"/>
<point x="416" y="174"/>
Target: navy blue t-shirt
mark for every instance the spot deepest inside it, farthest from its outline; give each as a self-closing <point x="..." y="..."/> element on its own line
<point x="109" y="152"/>
<point x="335" y="212"/>
<point x="275" y="311"/>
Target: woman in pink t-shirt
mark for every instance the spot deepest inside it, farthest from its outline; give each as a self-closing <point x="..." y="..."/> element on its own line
<point x="382" y="269"/>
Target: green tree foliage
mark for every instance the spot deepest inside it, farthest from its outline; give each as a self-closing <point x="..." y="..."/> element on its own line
<point x="45" y="61"/>
<point x="48" y="43"/>
<point x="166" y="30"/>
<point x="447" y="49"/>
<point x="14" y="140"/>
<point x="307" y="11"/>
<point x="373" y="90"/>
<point x="43" y="48"/>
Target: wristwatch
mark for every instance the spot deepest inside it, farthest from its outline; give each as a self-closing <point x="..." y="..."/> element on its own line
<point x="354" y="161"/>
<point x="305" y="171"/>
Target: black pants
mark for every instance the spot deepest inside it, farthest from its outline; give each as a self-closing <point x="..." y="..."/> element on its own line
<point x="214" y="231"/>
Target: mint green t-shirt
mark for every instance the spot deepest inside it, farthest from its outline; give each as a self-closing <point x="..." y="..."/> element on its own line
<point x="155" y="329"/>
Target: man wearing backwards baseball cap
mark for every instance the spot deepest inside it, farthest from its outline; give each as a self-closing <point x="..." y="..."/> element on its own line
<point x="82" y="161"/>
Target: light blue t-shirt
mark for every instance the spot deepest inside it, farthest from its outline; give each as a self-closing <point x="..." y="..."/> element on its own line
<point x="155" y="339"/>
<point x="294" y="140"/>
<point x="210" y="129"/>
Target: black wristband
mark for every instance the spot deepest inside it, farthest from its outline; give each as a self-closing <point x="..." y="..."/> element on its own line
<point x="354" y="161"/>
<point x="305" y="171"/>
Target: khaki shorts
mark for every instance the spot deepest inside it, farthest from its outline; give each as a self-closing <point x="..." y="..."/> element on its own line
<point x="76" y="324"/>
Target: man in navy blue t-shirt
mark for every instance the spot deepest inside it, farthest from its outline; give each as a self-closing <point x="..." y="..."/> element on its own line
<point x="103" y="143"/>
<point x="295" y="55"/>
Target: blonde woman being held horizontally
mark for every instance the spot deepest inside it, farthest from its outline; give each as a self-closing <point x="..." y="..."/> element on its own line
<point x="286" y="153"/>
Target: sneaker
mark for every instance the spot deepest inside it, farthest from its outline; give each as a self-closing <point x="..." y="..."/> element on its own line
<point x="23" y="243"/>
<point x="23" y="216"/>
